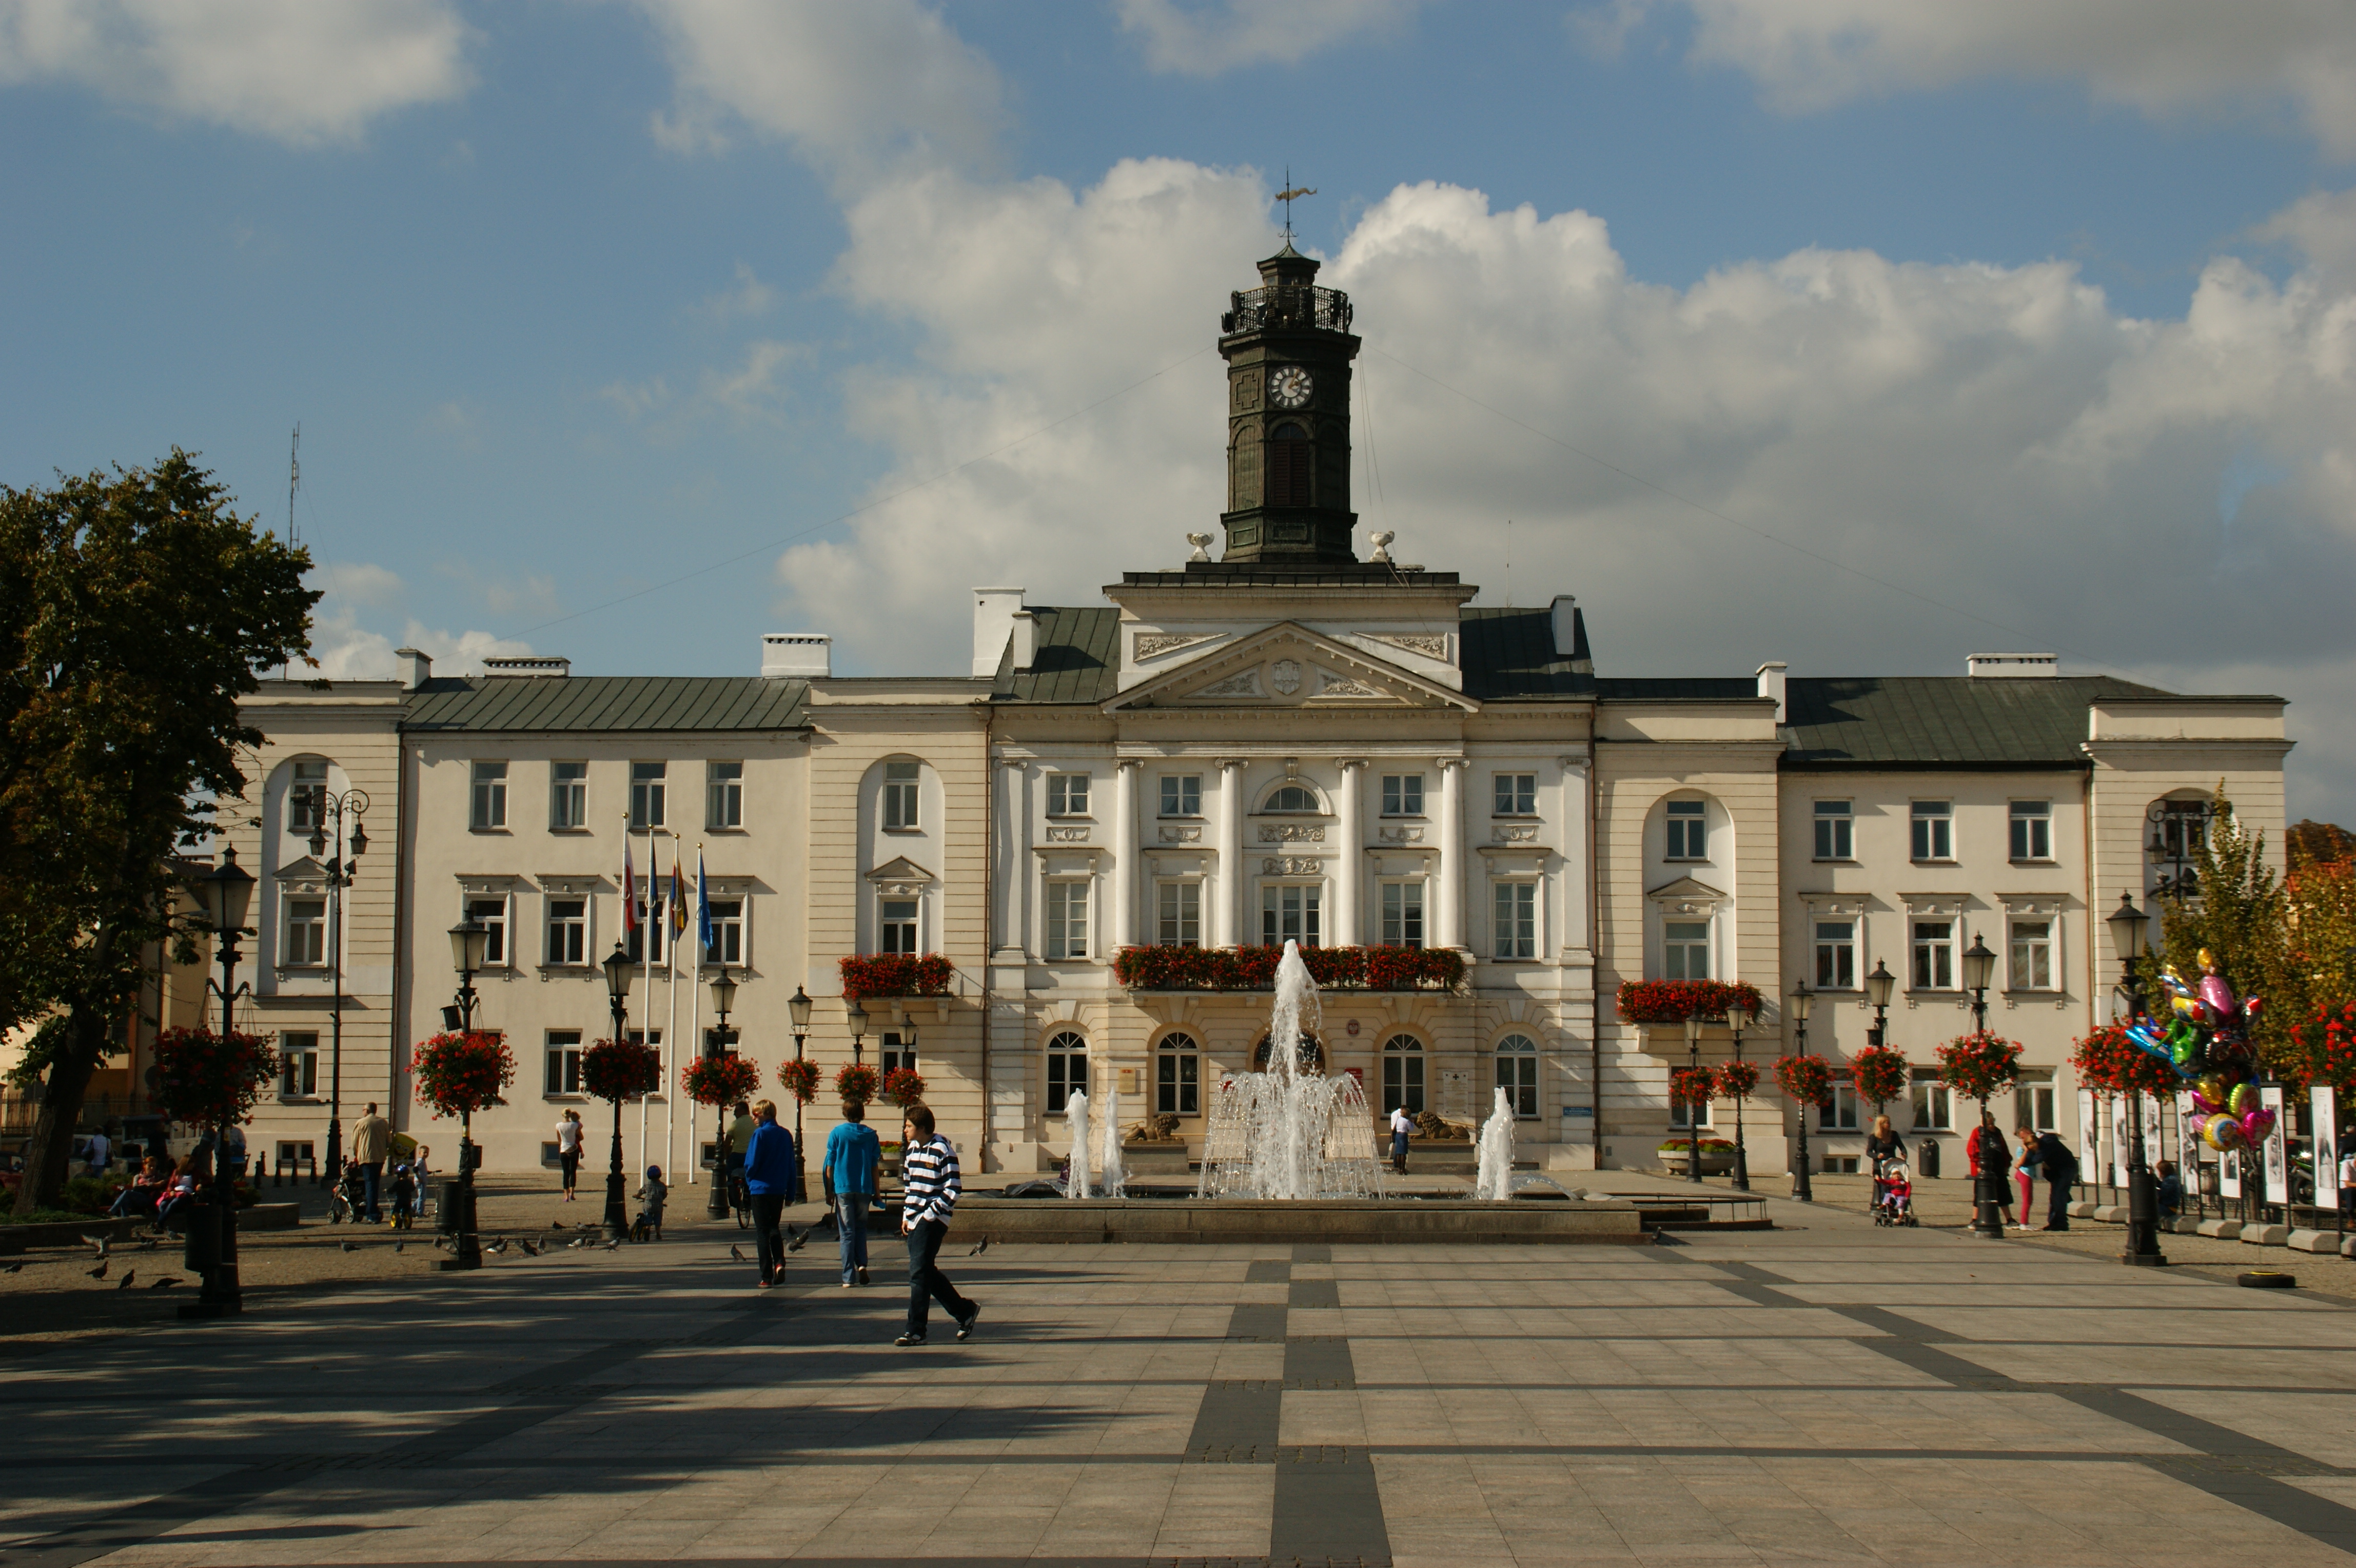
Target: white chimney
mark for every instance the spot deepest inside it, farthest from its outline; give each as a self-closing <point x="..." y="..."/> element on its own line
<point x="2013" y="666"/>
<point x="416" y="668"/>
<point x="1025" y="640"/>
<point x="1771" y="684"/>
<point x="795" y="655"/>
<point x="1566" y="626"/>
<point x="993" y="623"/>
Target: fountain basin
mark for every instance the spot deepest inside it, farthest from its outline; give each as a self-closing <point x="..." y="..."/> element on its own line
<point x="1231" y="1221"/>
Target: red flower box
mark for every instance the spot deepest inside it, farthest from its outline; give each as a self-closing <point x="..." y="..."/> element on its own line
<point x="1254" y="968"/>
<point x="895" y="974"/>
<point x="1675" y="1001"/>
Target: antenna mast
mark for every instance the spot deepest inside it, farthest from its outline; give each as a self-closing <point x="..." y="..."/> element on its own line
<point x="293" y="480"/>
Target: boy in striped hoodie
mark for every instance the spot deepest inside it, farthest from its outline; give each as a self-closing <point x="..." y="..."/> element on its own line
<point x="928" y="1180"/>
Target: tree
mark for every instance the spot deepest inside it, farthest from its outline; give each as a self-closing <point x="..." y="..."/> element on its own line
<point x="2309" y="841"/>
<point x="2240" y="917"/>
<point x="138" y="607"/>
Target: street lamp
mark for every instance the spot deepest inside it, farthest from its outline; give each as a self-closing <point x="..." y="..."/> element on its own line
<point x="1979" y="968"/>
<point x="1693" y="1108"/>
<point x="856" y="1017"/>
<point x="617" y="990"/>
<point x="1798" y="1005"/>
<point x="797" y="1008"/>
<point x="469" y="942"/>
<point x="340" y="853"/>
<point x="2127" y="923"/>
<point x="1878" y="985"/>
<point x="227" y="891"/>
<point x="1735" y="1018"/>
<point x="724" y="999"/>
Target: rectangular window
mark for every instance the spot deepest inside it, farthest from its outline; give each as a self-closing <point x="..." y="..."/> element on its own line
<point x="723" y="794"/>
<point x="727" y="944"/>
<point x="563" y="1063"/>
<point x="1835" y="825"/>
<point x="2032" y="955"/>
<point x="1292" y="912"/>
<point x="899" y="926"/>
<point x="1178" y="1078"/>
<point x="1181" y="794"/>
<point x="1934" y="955"/>
<point x="1402" y="914"/>
<point x="1836" y="955"/>
<point x="568" y="796"/>
<point x="1402" y="794"/>
<point x="2041" y="1109"/>
<point x="899" y="1053"/>
<point x="1685" y="949"/>
<point x="2032" y="830"/>
<point x="490" y="809"/>
<point x="1068" y="920"/>
<point x="293" y="1154"/>
<point x="1178" y="914"/>
<point x="647" y="794"/>
<point x="298" y="1065"/>
<point x="1935" y="829"/>
<point x="1067" y="1071"/>
<point x="1403" y="1075"/>
<point x="1689" y="830"/>
<point x="306" y="932"/>
<point x="1517" y="919"/>
<point x="568" y="930"/>
<point x="1681" y="1117"/>
<point x="491" y="914"/>
<point x="1934" y="1108"/>
<point x="1067" y="794"/>
<point x="302" y="796"/>
<point x="900" y="780"/>
<point x="1838" y="1114"/>
<point x="1515" y="795"/>
<point x="646" y="941"/>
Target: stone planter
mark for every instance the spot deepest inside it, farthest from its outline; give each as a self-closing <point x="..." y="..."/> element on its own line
<point x="1711" y="1165"/>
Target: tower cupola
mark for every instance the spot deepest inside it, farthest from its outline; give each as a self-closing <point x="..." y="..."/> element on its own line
<point x="1288" y="345"/>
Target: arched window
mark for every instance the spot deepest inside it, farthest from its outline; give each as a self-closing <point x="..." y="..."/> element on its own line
<point x="1178" y="1076"/>
<point x="1517" y="1074"/>
<point x="1292" y="798"/>
<point x="1067" y="1069"/>
<point x="1290" y="457"/>
<point x="1311" y="1059"/>
<point x="1403" y="1075"/>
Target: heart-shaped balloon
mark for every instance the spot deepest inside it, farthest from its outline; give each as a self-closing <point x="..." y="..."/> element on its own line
<point x="2256" y="1125"/>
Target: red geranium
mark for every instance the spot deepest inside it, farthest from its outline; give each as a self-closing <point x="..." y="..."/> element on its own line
<point x="2107" y="1060"/>
<point x="719" y="1080"/>
<point x="1675" y="1001"/>
<point x="1738" y="1080"/>
<point x="1690" y="1085"/>
<point x="798" y="1076"/>
<point x="460" y="1074"/>
<point x="1980" y="1063"/>
<point x="620" y="1070"/>
<point x="2326" y="1046"/>
<point x="903" y="1087"/>
<point x="895" y="974"/>
<point x="1805" y="1080"/>
<point x="205" y="1077"/>
<point x="856" y="1084"/>
<point x="1880" y="1074"/>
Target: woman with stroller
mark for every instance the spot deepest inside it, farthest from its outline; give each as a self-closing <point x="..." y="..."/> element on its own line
<point x="1882" y="1146"/>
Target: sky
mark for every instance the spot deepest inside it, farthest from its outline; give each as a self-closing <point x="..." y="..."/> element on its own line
<point x="1859" y="334"/>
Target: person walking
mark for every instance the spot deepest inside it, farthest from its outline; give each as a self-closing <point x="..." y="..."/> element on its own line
<point x="1401" y="1125"/>
<point x="769" y="1179"/>
<point x="740" y="1139"/>
<point x="371" y="1142"/>
<point x="568" y="1151"/>
<point x="2055" y="1162"/>
<point x="855" y="1158"/>
<point x="424" y="1173"/>
<point x="100" y="1151"/>
<point x="929" y="1186"/>
<point x="1992" y="1154"/>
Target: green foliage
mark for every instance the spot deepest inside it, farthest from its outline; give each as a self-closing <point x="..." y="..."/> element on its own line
<point x="2242" y="916"/>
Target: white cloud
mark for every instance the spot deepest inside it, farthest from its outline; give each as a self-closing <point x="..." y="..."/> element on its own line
<point x="342" y="649"/>
<point x="1206" y="40"/>
<point x="750" y="390"/>
<point x="748" y="295"/>
<point x="461" y="653"/>
<point x="1995" y="439"/>
<point x="2158" y="56"/>
<point x="358" y="583"/>
<point x="302" y="71"/>
<point x="851" y="88"/>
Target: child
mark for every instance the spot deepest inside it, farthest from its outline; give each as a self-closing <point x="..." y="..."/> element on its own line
<point x="652" y="1194"/>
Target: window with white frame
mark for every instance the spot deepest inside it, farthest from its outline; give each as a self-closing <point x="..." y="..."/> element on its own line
<point x="900" y="781"/>
<point x="1935" y="829"/>
<point x="568" y="796"/>
<point x="305" y="933"/>
<point x="1836" y="830"/>
<point x="1836" y="955"/>
<point x="1068" y="920"/>
<point x="1403" y="1075"/>
<point x="563" y="1063"/>
<point x="1403" y="914"/>
<point x="1934" y="955"/>
<point x="303" y="796"/>
<point x="896" y="926"/>
<point x="898" y="1052"/>
<point x="491" y="914"/>
<point x="1178" y="914"/>
<point x="1181" y="794"/>
<point x="2032" y="830"/>
<point x="490" y="803"/>
<point x="1934" y="1108"/>
<point x="724" y="795"/>
<point x="647" y="943"/>
<point x="1514" y="795"/>
<point x="727" y="944"/>
<point x="1177" y="1076"/>
<point x="568" y="930"/>
<point x="1067" y="1069"/>
<point x="1688" y="830"/>
<point x="1838" y="1114"/>
<point x="1685" y="949"/>
<point x="1067" y="794"/>
<point x="1517" y="1074"/>
<point x="2038" y="1099"/>
<point x="1684" y="1116"/>
<point x="646" y="788"/>
<point x="298" y="1064"/>
<point x="1292" y="912"/>
<point x="294" y="1153"/>
<point x="1292" y="798"/>
<point x="2032" y="956"/>
<point x="1402" y="794"/>
<point x="1515" y="925"/>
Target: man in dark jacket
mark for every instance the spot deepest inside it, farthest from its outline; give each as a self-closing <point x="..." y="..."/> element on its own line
<point x="769" y="1181"/>
<point x="2051" y="1159"/>
<point x="1992" y="1158"/>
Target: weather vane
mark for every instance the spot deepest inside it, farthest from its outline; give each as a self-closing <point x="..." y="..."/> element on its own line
<point x="1288" y="196"/>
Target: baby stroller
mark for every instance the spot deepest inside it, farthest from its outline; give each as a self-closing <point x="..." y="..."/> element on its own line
<point x="348" y="1203"/>
<point x="652" y="1193"/>
<point x="1893" y="1193"/>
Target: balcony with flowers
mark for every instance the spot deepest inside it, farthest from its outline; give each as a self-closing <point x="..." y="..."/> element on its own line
<point x="1254" y="968"/>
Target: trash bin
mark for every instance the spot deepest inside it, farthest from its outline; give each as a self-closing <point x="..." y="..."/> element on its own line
<point x="202" y="1252"/>
<point x="1928" y="1156"/>
<point x="449" y="1202"/>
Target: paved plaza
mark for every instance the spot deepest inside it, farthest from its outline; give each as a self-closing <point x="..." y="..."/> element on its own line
<point x="1826" y="1393"/>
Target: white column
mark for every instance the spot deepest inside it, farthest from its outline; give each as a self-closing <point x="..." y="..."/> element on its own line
<point x="1230" y="883"/>
<point x="1350" y="857"/>
<point x="1014" y="860"/>
<point x="1125" y="853"/>
<point x="1451" y="852"/>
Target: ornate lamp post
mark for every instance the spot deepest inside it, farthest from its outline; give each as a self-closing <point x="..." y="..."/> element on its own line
<point x="1735" y="1018"/>
<point x="1878" y="985"/>
<point x="1799" y="1005"/>
<point x="2127" y="923"/>
<point x="797" y="1008"/>
<point x="227" y="891"/>
<point x="1979" y="968"/>
<point x="469" y="938"/>
<point x="1693" y="1108"/>
<point x="724" y="999"/>
<point x="617" y="990"/>
<point x="340" y="854"/>
<point x="856" y="1017"/>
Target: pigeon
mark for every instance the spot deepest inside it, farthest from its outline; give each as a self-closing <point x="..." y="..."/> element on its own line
<point x="735" y="1251"/>
<point x="530" y="1247"/>
<point x="13" y="1269"/>
<point x="128" y="1275"/>
<point x="499" y="1246"/>
<point x="556" y="1225"/>
<point x="614" y="1243"/>
<point x="166" y="1283"/>
<point x="980" y="1248"/>
<point x="99" y="1272"/>
<point x="98" y="1241"/>
<point x="149" y="1245"/>
<point x="795" y="1239"/>
<point x="350" y="1247"/>
<point x="401" y="1246"/>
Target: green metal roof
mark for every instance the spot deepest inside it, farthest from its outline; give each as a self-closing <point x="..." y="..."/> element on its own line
<point x="1077" y="658"/>
<point x="1507" y="655"/>
<point x="1945" y="721"/>
<point x="610" y="702"/>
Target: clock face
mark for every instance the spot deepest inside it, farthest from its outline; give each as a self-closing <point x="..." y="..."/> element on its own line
<point x="1289" y="387"/>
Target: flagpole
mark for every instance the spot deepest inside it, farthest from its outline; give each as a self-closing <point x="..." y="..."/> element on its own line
<point x="695" y="1025"/>
<point x="671" y="1021"/>
<point x="647" y="972"/>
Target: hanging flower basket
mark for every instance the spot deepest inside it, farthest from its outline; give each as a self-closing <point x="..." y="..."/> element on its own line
<point x="895" y="974"/>
<point x="1805" y="1080"/>
<point x="856" y="1084"/>
<point x="1980" y="1063"/>
<point x="798" y="1078"/>
<point x="1675" y="1001"/>
<point x="620" y="1070"/>
<point x="460" y="1074"/>
<point x="1690" y="1085"/>
<point x="204" y="1079"/>
<point x="1880" y="1074"/>
<point x="1738" y="1080"/>
<point x="2108" y="1059"/>
<point x="719" y="1080"/>
<point x="903" y="1087"/>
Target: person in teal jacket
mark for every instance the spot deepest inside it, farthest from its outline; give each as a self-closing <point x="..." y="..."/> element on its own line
<point x="855" y="1158"/>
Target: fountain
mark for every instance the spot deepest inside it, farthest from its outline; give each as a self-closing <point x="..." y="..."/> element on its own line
<point x="1114" y="1182"/>
<point x="1494" y="1179"/>
<point x="1286" y="1133"/>
<point x="1076" y="1116"/>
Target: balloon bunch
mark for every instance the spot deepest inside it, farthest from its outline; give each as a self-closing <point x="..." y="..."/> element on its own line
<point x="2205" y="1037"/>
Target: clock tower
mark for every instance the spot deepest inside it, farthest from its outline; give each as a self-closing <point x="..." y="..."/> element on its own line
<point x="1288" y="345"/>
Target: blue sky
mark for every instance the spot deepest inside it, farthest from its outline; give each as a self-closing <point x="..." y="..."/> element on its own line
<point x="1937" y="328"/>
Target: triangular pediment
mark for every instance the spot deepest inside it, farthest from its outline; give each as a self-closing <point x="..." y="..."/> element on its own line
<point x="1287" y="665"/>
<point x="306" y="869"/>
<point x="899" y="869"/>
<point x="1685" y="890"/>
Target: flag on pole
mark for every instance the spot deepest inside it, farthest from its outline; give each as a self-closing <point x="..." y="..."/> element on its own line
<point x="629" y="891"/>
<point x="703" y="902"/>
<point x="679" y="893"/>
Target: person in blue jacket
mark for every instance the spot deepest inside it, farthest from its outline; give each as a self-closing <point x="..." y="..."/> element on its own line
<point x="769" y="1179"/>
<point x="854" y="1155"/>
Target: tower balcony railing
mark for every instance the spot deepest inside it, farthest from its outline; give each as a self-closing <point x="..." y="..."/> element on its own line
<point x="1287" y="306"/>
